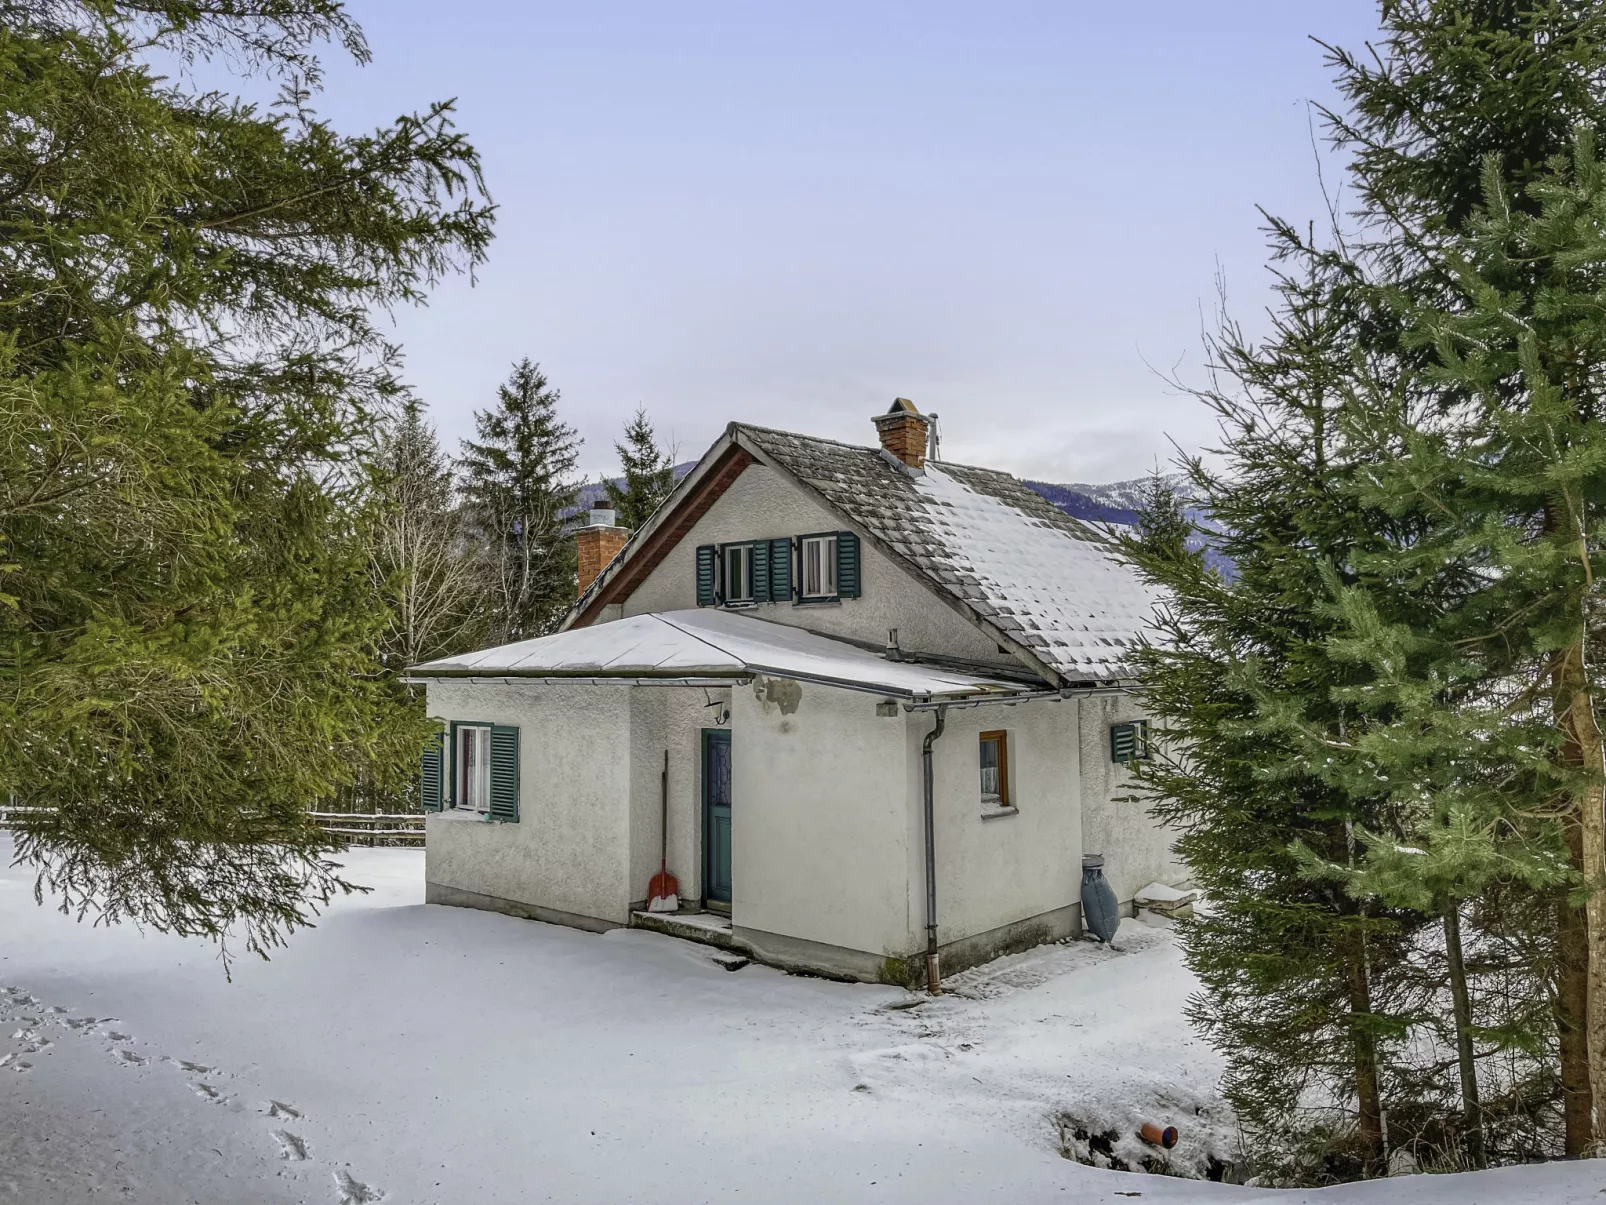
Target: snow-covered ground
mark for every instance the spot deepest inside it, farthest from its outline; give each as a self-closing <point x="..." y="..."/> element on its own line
<point x="419" y="1054"/>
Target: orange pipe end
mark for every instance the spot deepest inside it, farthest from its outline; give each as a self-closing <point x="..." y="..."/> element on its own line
<point x="1161" y="1136"/>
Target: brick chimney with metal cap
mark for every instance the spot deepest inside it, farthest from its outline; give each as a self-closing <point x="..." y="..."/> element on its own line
<point x="904" y="432"/>
<point x="597" y="543"/>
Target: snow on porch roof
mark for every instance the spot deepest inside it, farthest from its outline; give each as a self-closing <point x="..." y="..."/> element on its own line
<point x="713" y="644"/>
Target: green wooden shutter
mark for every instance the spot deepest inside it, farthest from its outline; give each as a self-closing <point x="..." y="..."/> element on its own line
<point x="504" y="773"/>
<point x="1130" y="741"/>
<point x="431" y="773"/>
<point x="847" y="565"/>
<point x="781" y="569"/>
<point x="761" y="571"/>
<point x="707" y="564"/>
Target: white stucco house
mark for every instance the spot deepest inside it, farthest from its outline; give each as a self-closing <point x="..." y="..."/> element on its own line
<point x="887" y="694"/>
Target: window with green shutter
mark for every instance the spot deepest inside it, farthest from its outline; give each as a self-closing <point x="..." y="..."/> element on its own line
<point x="484" y="770"/>
<point x="504" y="773"/>
<point x="432" y="773"/>
<point x="1130" y="741"/>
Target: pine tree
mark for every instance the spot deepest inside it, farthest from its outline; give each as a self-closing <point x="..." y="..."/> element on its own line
<point x="649" y="474"/>
<point x="518" y="480"/>
<point x="1513" y="541"/>
<point x="1301" y="990"/>
<point x="1467" y="111"/>
<point x="1451" y="633"/>
<point x="188" y="369"/>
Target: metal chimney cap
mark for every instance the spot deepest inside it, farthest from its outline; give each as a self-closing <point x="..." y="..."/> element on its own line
<point x="603" y="516"/>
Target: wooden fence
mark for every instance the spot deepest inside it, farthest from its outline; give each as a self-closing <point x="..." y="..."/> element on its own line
<point x="11" y="813"/>
<point x="373" y="828"/>
<point x="358" y="828"/>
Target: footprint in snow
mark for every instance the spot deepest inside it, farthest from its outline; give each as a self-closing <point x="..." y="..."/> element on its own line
<point x="354" y="1192"/>
<point x="132" y="1059"/>
<point x="277" y="1108"/>
<point x="291" y="1146"/>
<point x="114" y="1036"/>
<point x="196" y="1068"/>
<point x="206" y="1091"/>
<point x="83" y="1023"/>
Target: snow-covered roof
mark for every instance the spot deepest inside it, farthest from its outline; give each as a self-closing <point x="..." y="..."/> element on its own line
<point x="714" y="644"/>
<point x="1042" y="578"/>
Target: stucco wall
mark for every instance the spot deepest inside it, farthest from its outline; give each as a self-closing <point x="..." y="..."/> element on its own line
<point x="761" y="505"/>
<point x="570" y="850"/>
<point x="1000" y="869"/>
<point x="1137" y="851"/>
<point x="819" y="824"/>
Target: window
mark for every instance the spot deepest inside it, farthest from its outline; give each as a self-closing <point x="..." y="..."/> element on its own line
<point x="995" y="769"/>
<point x="819" y="566"/>
<point x="1129" y="742"/>
<point x="738" y="573"/>
<point x="473" y="793"/>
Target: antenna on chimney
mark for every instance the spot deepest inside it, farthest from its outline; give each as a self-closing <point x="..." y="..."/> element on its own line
<point x="933" y="440"/>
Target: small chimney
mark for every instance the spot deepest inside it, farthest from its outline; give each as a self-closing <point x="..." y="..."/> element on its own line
<point x="597" y="543"/>
<point x="903" y="431"/>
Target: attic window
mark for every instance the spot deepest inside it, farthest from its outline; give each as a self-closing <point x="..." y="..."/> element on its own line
<point x="738" y="573"/>
<point x="819" y="567"/>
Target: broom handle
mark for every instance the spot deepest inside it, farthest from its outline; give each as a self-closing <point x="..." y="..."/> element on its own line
<point x="663" y="828"/>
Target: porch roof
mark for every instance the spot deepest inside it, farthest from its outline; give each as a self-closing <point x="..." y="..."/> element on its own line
<point x="701" y="644"/>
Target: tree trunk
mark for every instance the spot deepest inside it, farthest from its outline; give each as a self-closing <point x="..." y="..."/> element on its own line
<point x="1572" y="1010"/>
<point x="1575" y="711"/>
<point x="1368" y="1083"/>
<point x="1471" y="1112"/>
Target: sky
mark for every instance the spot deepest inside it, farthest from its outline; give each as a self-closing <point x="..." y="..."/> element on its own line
<point x="788" y="214"/>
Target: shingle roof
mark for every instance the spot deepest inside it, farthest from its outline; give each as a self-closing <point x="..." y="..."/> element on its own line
<point x="1038" y="575"/>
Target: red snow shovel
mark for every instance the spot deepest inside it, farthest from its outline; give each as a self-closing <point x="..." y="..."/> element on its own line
<point x="663" y="892"/>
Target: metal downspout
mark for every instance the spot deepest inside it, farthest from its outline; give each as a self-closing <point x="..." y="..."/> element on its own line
<point x="933" y="975"/>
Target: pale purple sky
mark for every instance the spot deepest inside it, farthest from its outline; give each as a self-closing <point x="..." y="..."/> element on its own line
<point x="789" y="213"/>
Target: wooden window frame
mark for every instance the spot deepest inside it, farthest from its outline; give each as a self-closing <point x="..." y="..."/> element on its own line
<point x="1006" y="796"/>
<point x="803" y="596"/>
<point x="724" y="594"/>
<point x="453" y="772"/>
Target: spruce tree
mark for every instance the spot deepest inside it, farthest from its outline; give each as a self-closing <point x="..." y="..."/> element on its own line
<point x="189" y="370"/>
<point x="518" y="483"/>
<point x="648" y="474"/>
<point x="1452" y="628"/>
<point x="1509" y="444"/>
<point x="1462" y="121"/>
<point x="1301" y="990"/>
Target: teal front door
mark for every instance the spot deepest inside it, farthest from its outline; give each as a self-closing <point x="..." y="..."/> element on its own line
<point x="717" y="817"/>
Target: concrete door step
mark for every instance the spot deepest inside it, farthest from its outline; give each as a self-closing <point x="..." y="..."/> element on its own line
<point x="709" y="928"/>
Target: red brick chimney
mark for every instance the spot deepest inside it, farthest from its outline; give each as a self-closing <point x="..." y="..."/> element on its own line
<point x="903" y="431"/>
<point x="597" y="543"/>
